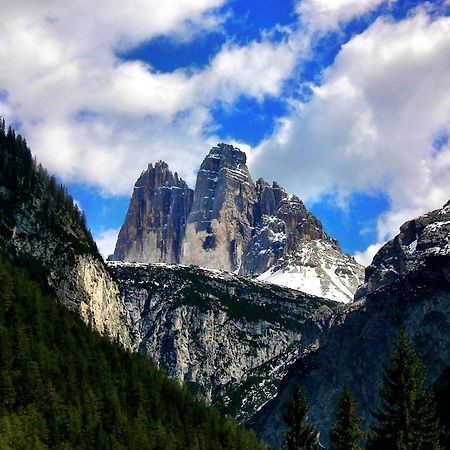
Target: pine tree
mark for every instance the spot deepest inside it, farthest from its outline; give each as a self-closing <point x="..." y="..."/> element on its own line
<point x="406" y="418"/>
<point x="301" y="435"/>
<point x="346" y="434"/>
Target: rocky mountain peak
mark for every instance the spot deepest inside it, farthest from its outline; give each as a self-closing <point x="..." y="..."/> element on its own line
<point x="419" y="239"/>
<point x="219" y="226"/>
<point x="229" y="156"/>
<point x="154" y="225"/>
<point x="231" y="223"/>
<point x="159" y="176"/>
<point x="290" y="247"/>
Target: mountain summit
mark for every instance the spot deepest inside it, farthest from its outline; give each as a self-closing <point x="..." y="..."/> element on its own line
<point x="231" y="223"/>
<point x="220" y="225"/>
<point x="156" y="217"/>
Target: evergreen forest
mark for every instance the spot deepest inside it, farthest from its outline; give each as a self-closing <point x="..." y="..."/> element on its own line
<point x="64" y="386"/>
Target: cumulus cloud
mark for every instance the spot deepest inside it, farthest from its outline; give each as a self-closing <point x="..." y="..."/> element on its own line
<point x="371" y="124"/>
<point x="326" y="15"/>
<point x="94" y="118"/>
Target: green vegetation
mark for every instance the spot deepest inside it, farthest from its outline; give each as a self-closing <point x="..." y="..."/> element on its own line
<point x="26" y="188"/>
<point x="345" y="433"/>
<point x="64" y="386"/>
<point x="406" y="419"/>
<point x="301" y="435"/>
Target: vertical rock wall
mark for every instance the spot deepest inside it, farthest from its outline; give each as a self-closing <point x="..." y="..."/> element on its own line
<point x="219" y="227"/>
<point x="156" y="217"/>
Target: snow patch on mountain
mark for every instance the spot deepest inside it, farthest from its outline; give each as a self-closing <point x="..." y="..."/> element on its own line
<point x="317" y="267"/>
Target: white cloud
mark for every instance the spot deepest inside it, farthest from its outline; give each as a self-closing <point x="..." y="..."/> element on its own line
<point x="365" y="257"/>
<point x="256" y="70"/>
<point x="106" y="241"/>
<point x="93" y="118"/>
<point x="326" y="15"/>
<point x="370" y="125"/>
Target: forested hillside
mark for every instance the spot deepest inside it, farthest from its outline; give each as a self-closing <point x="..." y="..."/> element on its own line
<point x="43" y="229"/>
<point x="24" y="181"/>
<point x="64" y="386"/>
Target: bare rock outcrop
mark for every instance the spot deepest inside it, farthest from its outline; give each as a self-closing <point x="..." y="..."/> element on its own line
<point x="154" y="225"/>
<point x="219" y="227"/>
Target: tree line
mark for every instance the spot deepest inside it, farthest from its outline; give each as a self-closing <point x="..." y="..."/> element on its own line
<point x="405" y="420"/>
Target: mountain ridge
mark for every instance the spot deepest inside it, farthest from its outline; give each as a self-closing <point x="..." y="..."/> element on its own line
<point x="228" y="222"/>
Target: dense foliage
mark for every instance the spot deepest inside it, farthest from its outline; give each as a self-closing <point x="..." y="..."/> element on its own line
<point x="346" y="433"/>
<point x="24" y="183"/>
<point x="301" y="435"/>
<point x="64" y="386"/>
<point x="406" y="418"/>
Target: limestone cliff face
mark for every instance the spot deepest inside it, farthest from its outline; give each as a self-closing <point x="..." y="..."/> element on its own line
<point x="220" y="224"/>
<point x="92" y="290"/>
<point x="154" y="225"/>
<point x="230" y="339"/>
<point x="362" y="336"/>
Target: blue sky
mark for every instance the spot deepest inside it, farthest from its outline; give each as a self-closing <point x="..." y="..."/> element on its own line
<point x="345" y="103"/>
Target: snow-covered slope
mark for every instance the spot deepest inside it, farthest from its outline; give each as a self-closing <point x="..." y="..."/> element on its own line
<point x="319" y="268"/>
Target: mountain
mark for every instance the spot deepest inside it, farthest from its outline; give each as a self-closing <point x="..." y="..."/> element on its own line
<point x="236" y="225"/>
<point x="220" y="224"/>
<point x="228" y="338"/>
<point x="42" y="228"/>
<point x="408" y="283"/>
<point x="156" y="218"/>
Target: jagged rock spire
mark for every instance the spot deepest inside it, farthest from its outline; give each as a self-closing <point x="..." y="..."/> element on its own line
<point x="154" y="224"/>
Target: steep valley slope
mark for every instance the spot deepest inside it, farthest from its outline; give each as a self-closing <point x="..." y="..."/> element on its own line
<point x="43" y="229"/>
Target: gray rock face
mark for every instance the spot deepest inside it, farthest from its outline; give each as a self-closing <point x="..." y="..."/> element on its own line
<point x="362" y="337"/>
<point x="154" y="225"/>
<point x="232" y="224"/>
<point x="290" y="248"/>
<point x="220" y="224"/>
<point x="420" y="238"/>
<point x="228" y="338"/>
